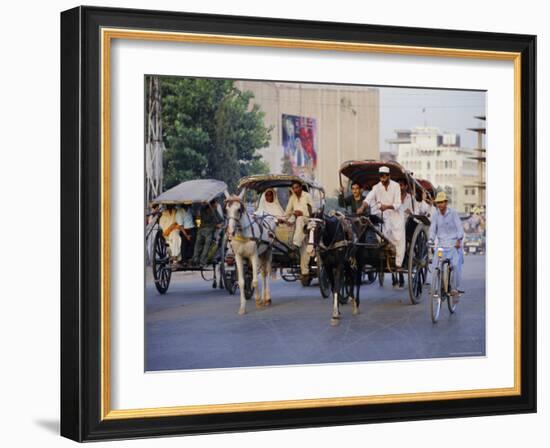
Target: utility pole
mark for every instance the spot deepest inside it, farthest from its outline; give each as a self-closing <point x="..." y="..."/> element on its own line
<point x="154" y="146"/>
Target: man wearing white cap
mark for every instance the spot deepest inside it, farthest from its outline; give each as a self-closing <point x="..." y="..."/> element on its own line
<point x="386" y="196"/>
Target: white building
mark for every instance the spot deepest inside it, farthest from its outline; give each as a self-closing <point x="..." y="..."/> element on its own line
<point x="438" y="157"/>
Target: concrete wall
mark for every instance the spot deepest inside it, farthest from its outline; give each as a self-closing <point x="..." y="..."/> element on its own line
<point x="347" y="122"/>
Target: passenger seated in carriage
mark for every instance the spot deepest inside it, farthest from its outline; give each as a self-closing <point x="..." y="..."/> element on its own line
<point x="270" y="205"/>
<point x="300" y="207"/>
<point x="210" y="221"/>
<point x="186" y="223"/>
<point x="170" y="231"/>
<point x="354" y="200"/>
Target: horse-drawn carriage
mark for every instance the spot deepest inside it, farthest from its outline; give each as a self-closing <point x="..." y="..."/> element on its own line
<point x="381" y="252"/>
<point x="285" y="256"/>
<point x="191" y="195"/>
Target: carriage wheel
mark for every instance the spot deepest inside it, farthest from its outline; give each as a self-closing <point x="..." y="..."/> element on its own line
<point x="369" y="277"/>
<point x="324" y="283"/>
<point x="207" y="274"/>
<point x="162" y="273"/>
<point x="288" y="274"/>
<point x="417" y="263"/>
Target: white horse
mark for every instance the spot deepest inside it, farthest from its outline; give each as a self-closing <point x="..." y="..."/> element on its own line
<point x="250" y="237"/>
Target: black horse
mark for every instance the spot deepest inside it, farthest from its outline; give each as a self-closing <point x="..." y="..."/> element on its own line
<point x="331" y="237"/>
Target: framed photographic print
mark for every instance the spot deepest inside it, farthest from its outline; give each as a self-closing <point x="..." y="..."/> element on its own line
<point x="273" y="223"/>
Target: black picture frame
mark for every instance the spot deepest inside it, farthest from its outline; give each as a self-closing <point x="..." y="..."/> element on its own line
<point x="81" y="224"/>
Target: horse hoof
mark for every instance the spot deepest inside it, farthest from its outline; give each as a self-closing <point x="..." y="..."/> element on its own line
<point x="356" y="311"/>
<point x="259" y="305"/>
<point x="267" y="302"/>
<point x="242" y="312"/>
<point x="334" y="322"/>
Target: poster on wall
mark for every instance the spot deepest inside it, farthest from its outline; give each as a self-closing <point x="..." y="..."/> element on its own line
<point x="300" y="145"/>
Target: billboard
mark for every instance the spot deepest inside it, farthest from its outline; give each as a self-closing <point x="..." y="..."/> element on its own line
<point x="300" y="145"/>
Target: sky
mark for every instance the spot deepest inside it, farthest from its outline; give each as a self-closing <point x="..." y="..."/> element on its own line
<point x="450" y="110"/>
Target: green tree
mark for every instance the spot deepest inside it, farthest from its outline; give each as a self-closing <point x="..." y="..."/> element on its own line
<point x="211" y="130"/>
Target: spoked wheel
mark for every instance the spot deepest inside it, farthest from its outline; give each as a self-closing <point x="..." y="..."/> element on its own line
<point x="162" y="273"/>
<point x="435" y="295"/>
<point x="289" y="274"/>
<point x="417" y="263"/>
<point x="447" y="272"/>
<point x="207" y="273"/>
<point x="369" y="277"/>
<point x="324" y="283"/>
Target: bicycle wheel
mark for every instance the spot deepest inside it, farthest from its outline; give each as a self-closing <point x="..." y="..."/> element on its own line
<point x="435" y="295"/>
<point x="451" y="304"/>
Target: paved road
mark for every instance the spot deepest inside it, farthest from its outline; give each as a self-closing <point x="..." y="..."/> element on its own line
<point x="196" y="327"/>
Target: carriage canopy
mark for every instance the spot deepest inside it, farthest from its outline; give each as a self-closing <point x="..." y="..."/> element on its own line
<point x="428" y="186"/>
<point x="192" y="191"/>
<point x="365" y="172"/>
<point x="262" y="182"/>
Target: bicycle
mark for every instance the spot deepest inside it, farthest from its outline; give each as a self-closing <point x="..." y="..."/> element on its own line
<point x="440" y="290"/>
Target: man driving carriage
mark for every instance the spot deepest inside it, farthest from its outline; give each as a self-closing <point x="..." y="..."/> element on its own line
<point x="210" y="221"/>
<point x="300" y="206"/>
<point x="186" y="223"/>
<point x="385" y="199"/>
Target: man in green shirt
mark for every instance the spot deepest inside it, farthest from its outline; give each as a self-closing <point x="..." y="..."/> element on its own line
<point x="354" y="200"/>
<point x="209" y="221"/>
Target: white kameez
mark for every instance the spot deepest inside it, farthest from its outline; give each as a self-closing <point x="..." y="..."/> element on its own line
<point x="300" y="204"/>
<point x="270" y="208"/>
<point x="174" y="239"/>
<point x="394" y="227"/>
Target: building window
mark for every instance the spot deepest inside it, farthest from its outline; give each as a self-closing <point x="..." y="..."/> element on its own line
<point x="428" y="165"/>
<point x="466" y="192"/>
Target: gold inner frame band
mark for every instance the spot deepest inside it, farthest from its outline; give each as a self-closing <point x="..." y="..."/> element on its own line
<point x="107" y="35"/>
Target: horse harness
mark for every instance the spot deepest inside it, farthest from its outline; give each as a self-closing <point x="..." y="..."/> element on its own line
<point x="260" y="220"/>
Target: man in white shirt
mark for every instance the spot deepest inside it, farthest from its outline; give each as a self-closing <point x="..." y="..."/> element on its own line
<point x="170" y="231"/>
<point x="386" y="194"/>
<point x="300" y="206"/>
<point x="186" y="223"/>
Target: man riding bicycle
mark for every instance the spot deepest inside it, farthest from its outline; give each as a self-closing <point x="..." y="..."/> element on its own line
<point x="446" y="230"/>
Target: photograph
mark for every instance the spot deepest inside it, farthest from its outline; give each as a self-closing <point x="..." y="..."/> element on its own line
<point x="294" y="223"/>
<point x="278" y="224"/>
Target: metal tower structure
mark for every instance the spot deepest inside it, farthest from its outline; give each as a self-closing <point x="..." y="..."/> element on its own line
<point x="154" y="146"/>
<point x="481" y="159"/>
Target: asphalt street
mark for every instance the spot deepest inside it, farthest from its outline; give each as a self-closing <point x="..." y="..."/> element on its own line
<point x="194" y="326"/>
